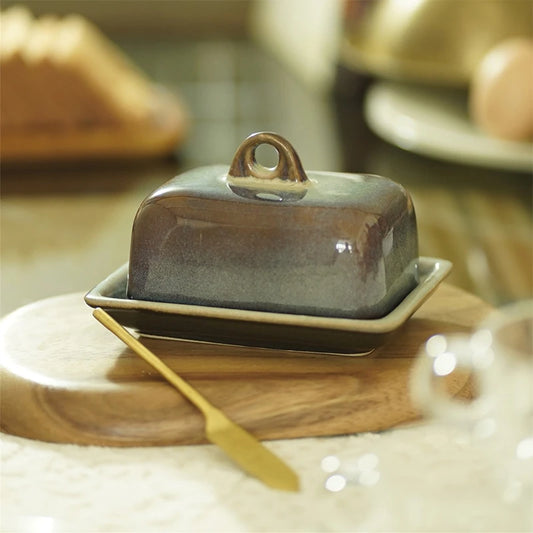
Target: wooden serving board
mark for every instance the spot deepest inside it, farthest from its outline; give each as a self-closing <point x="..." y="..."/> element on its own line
<point x="65" y="378"/>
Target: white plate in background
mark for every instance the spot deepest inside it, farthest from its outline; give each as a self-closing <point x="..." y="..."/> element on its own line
<point x="435" y="122"/>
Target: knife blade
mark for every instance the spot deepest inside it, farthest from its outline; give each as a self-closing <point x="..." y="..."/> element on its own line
<point x="241" y="446"/>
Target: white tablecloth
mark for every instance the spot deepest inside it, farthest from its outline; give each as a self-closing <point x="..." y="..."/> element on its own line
<point x="431" y="478"/>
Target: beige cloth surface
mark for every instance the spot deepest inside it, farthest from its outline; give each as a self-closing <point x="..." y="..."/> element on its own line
<point x="429" y="478"/>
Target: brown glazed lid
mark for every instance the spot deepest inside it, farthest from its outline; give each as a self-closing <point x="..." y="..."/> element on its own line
<point x="278" y="239"/>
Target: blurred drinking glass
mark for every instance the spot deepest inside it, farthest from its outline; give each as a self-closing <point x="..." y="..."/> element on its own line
<point x="498" y="418"/>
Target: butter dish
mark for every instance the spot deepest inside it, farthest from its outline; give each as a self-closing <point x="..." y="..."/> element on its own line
<point x="275" y="257"/>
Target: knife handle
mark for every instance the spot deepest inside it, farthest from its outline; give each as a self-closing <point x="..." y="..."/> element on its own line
<point x="174" y="379"/>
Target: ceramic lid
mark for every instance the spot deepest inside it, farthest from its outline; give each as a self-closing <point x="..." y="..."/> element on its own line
<point x="276" y="239"/>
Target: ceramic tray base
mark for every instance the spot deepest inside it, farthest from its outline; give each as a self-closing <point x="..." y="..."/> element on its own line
<point x="262" y="329"/>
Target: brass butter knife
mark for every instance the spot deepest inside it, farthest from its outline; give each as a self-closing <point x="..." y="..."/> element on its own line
<point x="240" y="445"/>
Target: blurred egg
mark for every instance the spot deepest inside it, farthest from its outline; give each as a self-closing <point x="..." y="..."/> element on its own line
<point x="501" y="91"/>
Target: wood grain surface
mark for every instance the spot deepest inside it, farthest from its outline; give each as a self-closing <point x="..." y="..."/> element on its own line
<point x="65" y="378"/>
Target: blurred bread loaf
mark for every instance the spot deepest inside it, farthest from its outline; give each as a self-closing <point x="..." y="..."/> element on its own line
<point x="15" y="28"/>
<point x="94" y="63"/>
<point x="63" y="75"/>
<point x="53" y="103"/>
